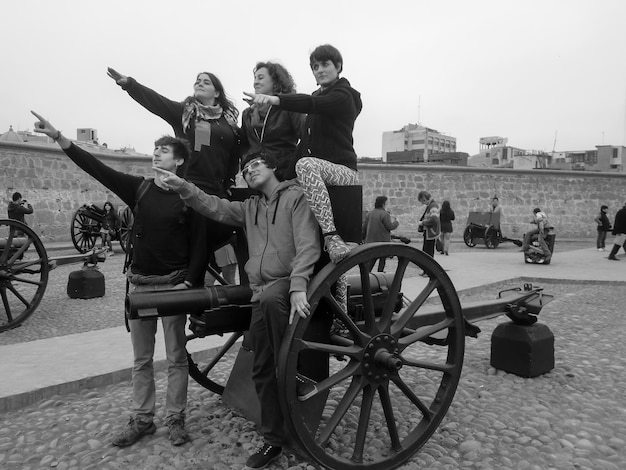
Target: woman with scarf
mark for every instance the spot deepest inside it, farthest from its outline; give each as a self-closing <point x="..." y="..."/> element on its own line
<point x="326" y="154"/>
<point x="271" y="129"/>
<point x="208" y="121"/>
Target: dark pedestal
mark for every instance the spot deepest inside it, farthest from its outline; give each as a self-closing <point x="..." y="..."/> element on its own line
<point x="85" y="284"/>
<point x="527" y="351"/>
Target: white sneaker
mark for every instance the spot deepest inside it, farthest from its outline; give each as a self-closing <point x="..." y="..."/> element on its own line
<point x="600" y="249"/>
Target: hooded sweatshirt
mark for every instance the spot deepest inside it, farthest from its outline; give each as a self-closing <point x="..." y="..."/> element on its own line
<point x="282" y="233"/>
<point x="330" y="121"/>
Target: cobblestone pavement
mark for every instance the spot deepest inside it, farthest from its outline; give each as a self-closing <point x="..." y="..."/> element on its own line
<point x="571" y="418"/>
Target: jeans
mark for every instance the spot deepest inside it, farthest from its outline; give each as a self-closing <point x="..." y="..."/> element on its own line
<point x="142" y="334"/>
<point x="270" y="318"/>
<point x="541" y="239"/>
<point x="600" y="242"/>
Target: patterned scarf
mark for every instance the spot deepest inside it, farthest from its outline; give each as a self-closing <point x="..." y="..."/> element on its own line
<point x="199" y="112"/>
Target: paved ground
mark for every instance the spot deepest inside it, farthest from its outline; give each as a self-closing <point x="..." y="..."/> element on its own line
<point x="68" y="392"/>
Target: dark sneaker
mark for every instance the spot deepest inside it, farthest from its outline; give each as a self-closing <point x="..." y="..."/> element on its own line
<point x="613" y="258"/>
<point x="336" y="248"/>
<point x="133" y="431"/>
<point x="264" y="456"/>
<point x="177" y="434"/>
<point x="305" y="387"/>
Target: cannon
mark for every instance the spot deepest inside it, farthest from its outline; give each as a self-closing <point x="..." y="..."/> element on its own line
<point x="485" y="225"/>
<point x="24" y="269"/>
<point x="87" y="222"/>
<point x="362" y="387"/>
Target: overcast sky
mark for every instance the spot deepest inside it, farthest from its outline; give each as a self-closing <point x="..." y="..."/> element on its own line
<point x="529" y="70"/>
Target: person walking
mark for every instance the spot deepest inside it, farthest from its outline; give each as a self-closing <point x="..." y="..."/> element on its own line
<point x="604" y="226"/>
<point x="429" y="223"/>
<point x="446" y="216"/>
<point x="163" y="242"/>
<point x="619" y="230"/>
<point x="377" y="227"/>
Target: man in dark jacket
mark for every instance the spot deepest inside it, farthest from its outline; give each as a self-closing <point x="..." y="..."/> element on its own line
<point x="377" y="227"/>
<point x="18" y="207"/>
<point x="164" y="240"/>
<point x="619" y="230"/>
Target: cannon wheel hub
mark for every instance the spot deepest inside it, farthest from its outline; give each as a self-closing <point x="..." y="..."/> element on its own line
<point x="381" y="358"/>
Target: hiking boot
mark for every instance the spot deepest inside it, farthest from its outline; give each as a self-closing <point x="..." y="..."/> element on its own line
<point x="177" y="434"/>
<point x="133" y="431"/>
<point x="336" y="248"/>
<point x="264" y="456"/>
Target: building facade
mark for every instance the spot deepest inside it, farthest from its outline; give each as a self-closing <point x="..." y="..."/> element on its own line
<point x="414" y="143"/>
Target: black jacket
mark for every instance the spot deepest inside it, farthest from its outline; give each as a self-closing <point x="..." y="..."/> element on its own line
<point x="331" y="114"/>
<point x="620" y="221"/>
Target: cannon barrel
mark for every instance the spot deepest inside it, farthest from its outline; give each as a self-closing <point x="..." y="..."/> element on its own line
<point x="148" y="304"/>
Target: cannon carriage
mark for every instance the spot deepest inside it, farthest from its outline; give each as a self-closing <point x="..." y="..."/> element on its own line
<point x="24" y="271"/>
<point x="485" y="226"/>
<point x="87" y="222"/>
<point x="362" y="386"/>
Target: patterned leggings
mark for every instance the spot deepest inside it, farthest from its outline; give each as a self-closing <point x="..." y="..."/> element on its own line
<point x="313" y="175"/>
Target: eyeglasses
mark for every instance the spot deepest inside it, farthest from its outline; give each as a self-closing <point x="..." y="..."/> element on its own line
<point x="252" y="166"/>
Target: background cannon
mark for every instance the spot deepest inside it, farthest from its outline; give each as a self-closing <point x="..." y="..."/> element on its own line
<point x="485" y="226"/>
<point x="385" y="369"/>
<point x="87" y="222"/>
<point x="24" y="269"/>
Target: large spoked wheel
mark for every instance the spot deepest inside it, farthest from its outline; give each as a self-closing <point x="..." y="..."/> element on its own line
<point x="208" y="373"/>
<point x="85" y="231"/>
<point x="126" y="227"/>
<point x="468" y="237"/>
<point x="393" y="368"/>
<point x="23" y="272"/>
<point x="492" y="237"/>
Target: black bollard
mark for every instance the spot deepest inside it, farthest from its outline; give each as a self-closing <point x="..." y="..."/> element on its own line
<point x="524" y="350"/>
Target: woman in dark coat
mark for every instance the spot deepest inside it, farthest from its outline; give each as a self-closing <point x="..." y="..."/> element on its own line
<point x="446" y="216"/>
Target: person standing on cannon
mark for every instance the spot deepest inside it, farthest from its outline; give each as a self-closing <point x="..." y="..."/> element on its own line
<point x="163" y="242"/>
<point x="283" y="242"/>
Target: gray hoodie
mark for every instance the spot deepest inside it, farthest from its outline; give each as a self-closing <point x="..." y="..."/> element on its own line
<point x="282" y="233"/>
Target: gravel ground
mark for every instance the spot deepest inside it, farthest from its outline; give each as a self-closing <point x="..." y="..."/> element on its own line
<point x="573" y="417"/>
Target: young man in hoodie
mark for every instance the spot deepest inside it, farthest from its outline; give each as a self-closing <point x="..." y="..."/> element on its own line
<point x="283" y="243"/>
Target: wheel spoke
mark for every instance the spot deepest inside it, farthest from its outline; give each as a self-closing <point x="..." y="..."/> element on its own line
<point x="446" y="368"/>
<point x="18" y="295"/>
<point x="347" y="321"/>
<point x="221" y="353"/>
<point x="392" y="296"/>
<point x="5" y="302"/>
<point x="26" y="281"/>
<point x="368" y="303"/>
<point x="342" y="408"/>
<point x="408" y="392"/>
<point x="410" y="311"/>
<point x="301" y="345"/>
<point x="425" y="331"/>
<point x="385" y="399"/>
<point x="335" y="379"/>
<point x="364" y="419"/>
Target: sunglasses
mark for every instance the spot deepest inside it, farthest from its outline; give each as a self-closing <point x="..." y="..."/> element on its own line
<point x="252" y="166"/>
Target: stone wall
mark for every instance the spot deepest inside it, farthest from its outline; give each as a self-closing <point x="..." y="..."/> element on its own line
<point x="571" y="199"/>
<point x="57" y="188"/>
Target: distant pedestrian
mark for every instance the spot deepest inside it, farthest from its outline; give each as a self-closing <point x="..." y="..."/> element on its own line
<point x="604" y="226"/>
<point x="377" y="227"/>
<point x="496" y="211"/>
<point x="108" y="230"/>
<point x="17" y="208"/>
<point x="619" y="230"/>
<point x="429" y="223"/>
<point x="446" y="216"/>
